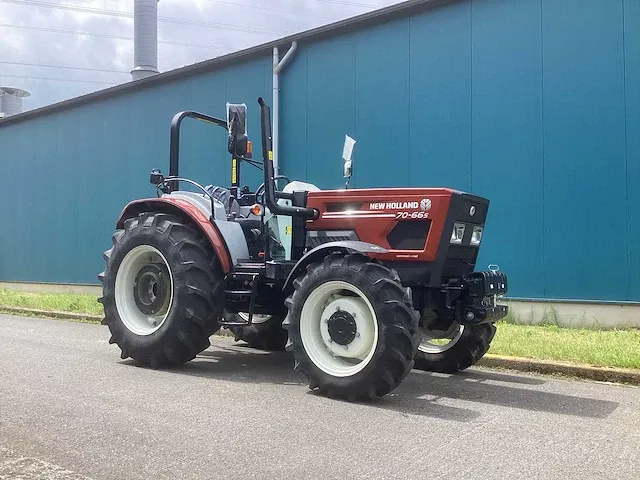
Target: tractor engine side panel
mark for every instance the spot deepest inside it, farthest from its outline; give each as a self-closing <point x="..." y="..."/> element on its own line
<point x="408" y="222"/>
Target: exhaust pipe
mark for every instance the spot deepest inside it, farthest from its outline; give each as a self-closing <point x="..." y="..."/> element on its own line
<point x="270" y="196"/>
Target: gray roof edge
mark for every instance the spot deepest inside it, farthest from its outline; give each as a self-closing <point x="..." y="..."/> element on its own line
<point x="370" y="18"/>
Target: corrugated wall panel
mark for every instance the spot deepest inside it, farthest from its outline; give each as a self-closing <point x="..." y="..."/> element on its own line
<point x="207" y="159"/>
<point x="584" y="161"/>
<point x="41" y="210"/>
<point x="632" y="96"/>
<point x="14" y="240"/>
<point x="115" y="160"/>
<point x="507" y="137"/>
<point x="330" y="109"/>
<point x="63" y="196"/>
<point x="93" y="224"/>
<point x="11" y="206"/>
<point x="381" y="107"/>
<point x="440" y="112"/>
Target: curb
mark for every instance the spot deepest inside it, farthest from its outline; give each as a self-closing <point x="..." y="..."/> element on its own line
<point x="601" y="374"/>
<point x="51" y="313"/>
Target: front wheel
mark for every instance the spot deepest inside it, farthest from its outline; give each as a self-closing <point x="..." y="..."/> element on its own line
<point x="162" y="290"/>
<point x="351" y="327"/>
<point x="455" y="349"/>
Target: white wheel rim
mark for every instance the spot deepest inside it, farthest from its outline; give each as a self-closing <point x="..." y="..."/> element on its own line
<point x="257" y="318"/>
<point x="329" y="356"/>
<point x="132" y="317"/>
<point x="427" y="344"/>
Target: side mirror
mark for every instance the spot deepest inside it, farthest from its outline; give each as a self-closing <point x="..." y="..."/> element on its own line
<point x="347" y="153"/>
<point x="238" y="144"/>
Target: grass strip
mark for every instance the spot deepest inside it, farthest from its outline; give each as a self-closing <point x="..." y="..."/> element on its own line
<point x="61" y="302"/>
<point x="599" y="348"/>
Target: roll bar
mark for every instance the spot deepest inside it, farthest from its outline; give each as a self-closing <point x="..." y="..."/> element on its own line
<point x="174" y="145"/>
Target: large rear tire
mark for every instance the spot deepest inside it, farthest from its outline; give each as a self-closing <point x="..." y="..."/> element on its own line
<point x="456" y="349"/>
<point x="351" y="327"/>
<point x="162" y="290"/>
<point x="264" y="333"/>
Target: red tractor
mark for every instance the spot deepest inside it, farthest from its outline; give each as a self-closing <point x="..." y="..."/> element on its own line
<point x="362" y="285"/>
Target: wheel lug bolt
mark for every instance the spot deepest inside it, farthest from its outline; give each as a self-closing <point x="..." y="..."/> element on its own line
<point x="353" y="314"/>
<point x="357" y="334"/>
<point x="346" y="347"/>
<point x="326" y="320"/>
<point x="330" y="341"/>
<point x="337" y="308"/>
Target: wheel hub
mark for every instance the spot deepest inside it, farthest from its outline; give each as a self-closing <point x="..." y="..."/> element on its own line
<point x="143" y="290"/>
<point x="342" y="327"/>
<point x="322" y="345"/>
<point x="150" y="288"/>
<point x="347" y="327"/>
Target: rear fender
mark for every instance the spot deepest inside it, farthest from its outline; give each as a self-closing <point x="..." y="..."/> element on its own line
<point x="189" y="212"/>
<point x="321" y="251"/>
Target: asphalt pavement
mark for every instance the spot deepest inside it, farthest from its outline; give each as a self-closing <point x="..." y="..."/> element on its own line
<point x="70" y="408"/>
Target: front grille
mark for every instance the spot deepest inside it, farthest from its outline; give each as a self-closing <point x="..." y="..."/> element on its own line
<point x="462" y="252"/>
<point x="409" y="235"/>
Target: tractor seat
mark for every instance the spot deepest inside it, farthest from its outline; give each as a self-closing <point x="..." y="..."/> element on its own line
<point x="223" y="195"/>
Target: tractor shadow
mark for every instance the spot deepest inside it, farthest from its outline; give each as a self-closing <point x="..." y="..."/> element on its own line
<point x="421" y="393"/>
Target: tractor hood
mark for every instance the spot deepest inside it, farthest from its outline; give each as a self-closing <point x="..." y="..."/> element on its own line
<point x="414" y="224"/>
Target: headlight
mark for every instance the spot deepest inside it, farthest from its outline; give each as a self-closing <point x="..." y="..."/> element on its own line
<point x="476" y="236"/>
<point x="458" y="233"/>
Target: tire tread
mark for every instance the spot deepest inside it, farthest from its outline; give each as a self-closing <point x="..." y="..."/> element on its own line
<point x="198" y="295"/>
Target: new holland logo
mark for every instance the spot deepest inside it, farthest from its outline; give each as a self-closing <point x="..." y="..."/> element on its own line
<point x="393" y="205"/>
<point x="425" y="204"/>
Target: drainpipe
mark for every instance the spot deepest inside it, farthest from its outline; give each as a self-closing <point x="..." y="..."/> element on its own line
<point x="278" y="65"/>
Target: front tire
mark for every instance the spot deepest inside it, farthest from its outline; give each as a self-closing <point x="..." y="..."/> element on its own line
<point x="459" y="348"/>
<point x="162" y="290"/>
<point x="351" y="327"/>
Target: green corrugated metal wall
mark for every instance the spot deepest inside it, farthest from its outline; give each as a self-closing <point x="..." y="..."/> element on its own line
<point x="534" y="104"/>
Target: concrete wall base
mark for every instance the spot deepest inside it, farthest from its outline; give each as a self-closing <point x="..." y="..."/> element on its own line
<point x="52" y="287"/>
<point x="575" y="314"/>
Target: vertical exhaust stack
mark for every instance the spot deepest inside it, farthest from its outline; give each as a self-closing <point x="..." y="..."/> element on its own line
<point x="11" y="100"/>
<point x="145" y="39"/>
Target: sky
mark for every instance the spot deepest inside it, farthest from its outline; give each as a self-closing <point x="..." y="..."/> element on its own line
<point x="40" y="37"/>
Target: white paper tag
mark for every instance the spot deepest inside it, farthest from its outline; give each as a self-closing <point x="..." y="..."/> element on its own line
<point x="347" y="150"/>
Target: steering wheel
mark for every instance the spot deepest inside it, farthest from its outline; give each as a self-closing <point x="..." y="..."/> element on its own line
<point x="260" y="190"/>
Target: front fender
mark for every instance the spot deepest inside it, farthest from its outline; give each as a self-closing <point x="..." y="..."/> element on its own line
<point x="189" y="212"/>
<point x="321" y="251"/>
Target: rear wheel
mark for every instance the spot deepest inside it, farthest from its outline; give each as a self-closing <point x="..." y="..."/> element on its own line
<point x="264" y="333"/>
<point x="351" y="327"/>
<point x="162" y="290"/>
<point x="455" y="349"/>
